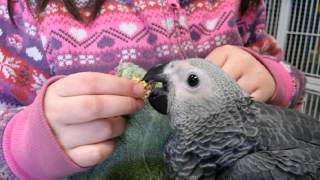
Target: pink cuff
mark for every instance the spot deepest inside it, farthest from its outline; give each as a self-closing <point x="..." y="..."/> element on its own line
<point x="30" y="147"/>
<point x="281" y="76"/>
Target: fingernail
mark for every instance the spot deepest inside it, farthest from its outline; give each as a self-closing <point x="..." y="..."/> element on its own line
<point x="138" y="90"/>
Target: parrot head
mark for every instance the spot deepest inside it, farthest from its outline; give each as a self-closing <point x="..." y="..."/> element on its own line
<point x="191" y="86"/>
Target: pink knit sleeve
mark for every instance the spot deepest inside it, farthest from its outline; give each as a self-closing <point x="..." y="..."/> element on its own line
<point x="290" y="82"/>
<point x="30" y="147"/>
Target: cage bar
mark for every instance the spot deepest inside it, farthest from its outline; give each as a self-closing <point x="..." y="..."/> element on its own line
<point x="296" y="26"/>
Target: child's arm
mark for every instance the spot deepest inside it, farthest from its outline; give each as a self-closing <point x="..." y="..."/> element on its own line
<point x="290" y="82"/>
<point x="70" y="123"/>
<point x="28" y="147"/>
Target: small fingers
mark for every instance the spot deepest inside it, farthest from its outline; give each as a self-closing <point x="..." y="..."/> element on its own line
<point x="85" y="108"/>
<point x="119" y="125"/>
<point x="89" y="155"/>
<point x="247" y="84"/>
<point x="258" y="95"/>
<point x="218" y="57"/>
<point x="257" y="87"/>
<point x="263" y="94"/>
<point x="91" y="83"/>
<point x="233" y="69"/>
<point x="250" y="74"/>
<point x="92" y="132"/>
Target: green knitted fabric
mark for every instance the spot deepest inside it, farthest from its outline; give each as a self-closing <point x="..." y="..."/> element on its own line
<point x="139" y="152"/>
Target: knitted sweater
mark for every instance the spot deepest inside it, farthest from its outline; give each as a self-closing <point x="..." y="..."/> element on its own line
<point x="143" y="32"/>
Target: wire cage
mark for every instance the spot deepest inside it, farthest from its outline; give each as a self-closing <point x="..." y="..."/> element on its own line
<point x="296" y="26"/>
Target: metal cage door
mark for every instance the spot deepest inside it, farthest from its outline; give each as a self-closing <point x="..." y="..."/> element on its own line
<point x="296" y="26"/>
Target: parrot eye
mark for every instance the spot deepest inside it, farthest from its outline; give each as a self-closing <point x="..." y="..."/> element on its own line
<point x="193" y="80"/>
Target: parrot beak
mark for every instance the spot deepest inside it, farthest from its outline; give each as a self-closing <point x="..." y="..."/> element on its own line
<point x="158" y="96"/>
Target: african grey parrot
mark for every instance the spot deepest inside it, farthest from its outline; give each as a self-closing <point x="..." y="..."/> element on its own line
<point x="220" y="133"/>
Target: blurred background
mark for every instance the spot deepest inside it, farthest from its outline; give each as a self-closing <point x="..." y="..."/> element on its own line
<point x="296" y="26"/>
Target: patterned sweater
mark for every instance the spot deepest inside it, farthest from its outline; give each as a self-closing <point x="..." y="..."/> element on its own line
<point x="144" y="32"/>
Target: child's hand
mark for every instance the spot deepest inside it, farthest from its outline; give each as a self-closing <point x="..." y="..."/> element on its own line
<point x="85" y="112"/>
<point x="249" y="73"/>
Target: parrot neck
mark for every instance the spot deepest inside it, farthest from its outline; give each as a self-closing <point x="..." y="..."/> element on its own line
<point x="225" y="136"/>
<point x="212" y="116"/>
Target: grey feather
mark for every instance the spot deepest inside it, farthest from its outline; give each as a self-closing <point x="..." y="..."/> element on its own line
<point x="221" y="133"/>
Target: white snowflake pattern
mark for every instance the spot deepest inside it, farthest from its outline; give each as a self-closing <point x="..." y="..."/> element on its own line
<point x="163" y="50"/>
<point x="34" y="53"/>
<point x="187" y="45"/>
<point x="86" y="59"/>
<point x="15" y="40"/>
<point x="175" y="49"/>
<point x="122" y="8"/>
<point x="64" y="60"/>
<point x="1" y="32"/>
<point x="140" y="4"/>
<point x="51" y="8"/>
<point x="4" y="12"/>
<point x="39" y="80"/>
<point x="8" y="66"/>
<point x="129" y="54"/>
<point x="30" y="29"/>
<point x="220" y="40"/>
<point x="204" y="46"/>
<point x="152" y="3"/>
